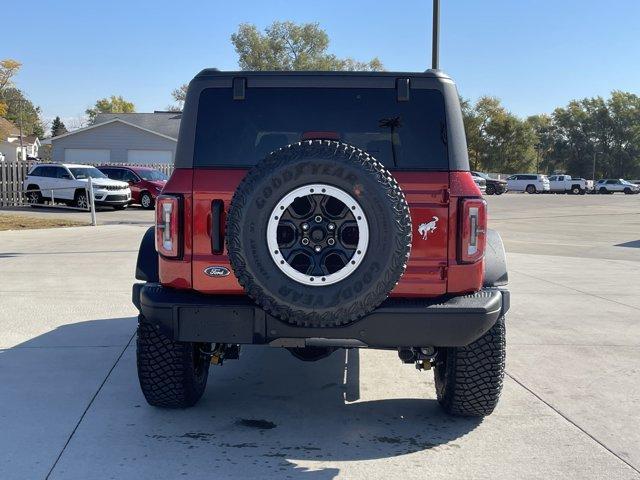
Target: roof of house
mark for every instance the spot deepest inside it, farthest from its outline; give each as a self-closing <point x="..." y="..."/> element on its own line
<point x="9" y="127"/>
<point x="165" y="123"/>
<point x="116" y="118"/>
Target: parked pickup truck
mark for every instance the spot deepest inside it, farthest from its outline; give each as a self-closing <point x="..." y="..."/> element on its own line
<point x="567" y="184"/>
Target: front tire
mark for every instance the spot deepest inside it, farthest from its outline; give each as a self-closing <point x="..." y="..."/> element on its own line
<point x="627" y="191"/>
<point x="491" y="190"/>
<point x="469" y="379"/>
<point x="81" y="200"/>
<point x="171" y="374"/>
<point x="120" y="207"/>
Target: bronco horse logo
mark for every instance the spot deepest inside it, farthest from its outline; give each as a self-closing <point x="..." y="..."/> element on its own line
<point x="426" y="228"/>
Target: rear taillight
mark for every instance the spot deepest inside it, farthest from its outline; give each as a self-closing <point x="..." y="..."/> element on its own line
<point x="168" y="242"/>
<point x="473" y="229"/>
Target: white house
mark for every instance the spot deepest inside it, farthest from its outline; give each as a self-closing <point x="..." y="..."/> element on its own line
<point x="10" y="143"/>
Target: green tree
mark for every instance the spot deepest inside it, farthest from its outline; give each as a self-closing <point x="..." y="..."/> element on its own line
<point x="291" y="46"/>
<point x="497" y="140"/>
<point x="113" y="104"/>
<point x="20" y="111"/>
<point x="57" y="127"/>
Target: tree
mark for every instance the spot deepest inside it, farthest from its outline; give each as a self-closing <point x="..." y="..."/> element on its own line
<point x="113" y="104"/>
<point x="20" y="110"/>
<point x="57" y="127"/>
<point x="179" y="96"/>
<point x="291" y="46"/>
<point x="8" y="68"/>
<point x="497" y="140"/>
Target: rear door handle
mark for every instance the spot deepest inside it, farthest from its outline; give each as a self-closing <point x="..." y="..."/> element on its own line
<point x="217" y="242"/>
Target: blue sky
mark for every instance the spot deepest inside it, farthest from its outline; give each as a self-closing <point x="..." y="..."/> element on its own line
<point x="534" y="55"/>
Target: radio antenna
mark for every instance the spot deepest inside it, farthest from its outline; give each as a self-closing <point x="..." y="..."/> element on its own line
<point x="435" y="44"/>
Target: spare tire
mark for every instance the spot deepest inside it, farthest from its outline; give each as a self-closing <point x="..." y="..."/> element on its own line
<point x="318" y="233"/>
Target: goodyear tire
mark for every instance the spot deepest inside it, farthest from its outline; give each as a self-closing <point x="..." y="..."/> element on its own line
<point x="469" y="379"/>
<point x="171" y="374"/>
<point x="318" y="233"/>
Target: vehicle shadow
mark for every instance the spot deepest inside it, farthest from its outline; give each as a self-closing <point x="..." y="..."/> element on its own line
<point x="266" y="415"/>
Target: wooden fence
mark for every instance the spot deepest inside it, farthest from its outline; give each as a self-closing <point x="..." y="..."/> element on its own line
<point x="12" y="175"/>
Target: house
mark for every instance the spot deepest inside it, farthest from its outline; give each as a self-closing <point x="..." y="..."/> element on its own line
<point x="138" y="138"/>
<point x="10" y="145"/>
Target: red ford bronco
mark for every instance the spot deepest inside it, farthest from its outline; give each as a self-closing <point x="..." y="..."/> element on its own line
<point x="322" y="210"/>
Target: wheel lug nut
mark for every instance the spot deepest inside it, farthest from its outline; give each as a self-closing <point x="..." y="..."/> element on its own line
<point x="331" y="226"/>
<point x="318" y="218"/>
<point x="305" y="241"/>
<point x="331" y="241"/>
<point x="318" y="248"/>
<point x="305" y="226"/>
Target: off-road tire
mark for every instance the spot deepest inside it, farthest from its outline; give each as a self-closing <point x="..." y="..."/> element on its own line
<point x="530" y="189"/>
<point x="469" y="379"/>
<point x="381" y="198"/>
<point x="490" y="190"/>
<point x="169" y="372"/>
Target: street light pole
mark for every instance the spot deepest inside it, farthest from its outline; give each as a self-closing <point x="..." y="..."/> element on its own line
<point x="593" y="177"/>
<point x="435" y="44"/>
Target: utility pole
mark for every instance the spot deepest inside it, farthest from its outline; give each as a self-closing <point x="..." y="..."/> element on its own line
<point x="593" y="177"/>
<point x="435" y="43"/>
<point x="22" y="155"/>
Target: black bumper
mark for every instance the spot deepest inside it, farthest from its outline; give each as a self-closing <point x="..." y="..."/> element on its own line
<point x="192" y="317"/>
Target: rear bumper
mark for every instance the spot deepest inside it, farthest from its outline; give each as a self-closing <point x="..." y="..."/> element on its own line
<point x="193" y="317"/>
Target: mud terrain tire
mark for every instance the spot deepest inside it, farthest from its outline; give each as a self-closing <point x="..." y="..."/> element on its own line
<point x="172" y="374"/>
<point x="469" y="379"/>
<point x="339" y="166"/>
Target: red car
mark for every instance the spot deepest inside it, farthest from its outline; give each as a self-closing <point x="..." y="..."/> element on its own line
<point x="146" y="183"/>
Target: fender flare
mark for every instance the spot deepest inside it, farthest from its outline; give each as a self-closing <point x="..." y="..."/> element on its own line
<point x="495" y="261"/>
<point x="147" y="264"/>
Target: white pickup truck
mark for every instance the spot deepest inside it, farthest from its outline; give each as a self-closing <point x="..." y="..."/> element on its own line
<point x="567" y="184"/>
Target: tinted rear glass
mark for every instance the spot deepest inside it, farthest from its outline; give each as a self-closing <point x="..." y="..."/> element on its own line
<point x="242" y="132"/>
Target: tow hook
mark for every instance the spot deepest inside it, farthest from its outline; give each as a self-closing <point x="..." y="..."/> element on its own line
<point x="424" y="358"/>
<point x="222" y="352"/>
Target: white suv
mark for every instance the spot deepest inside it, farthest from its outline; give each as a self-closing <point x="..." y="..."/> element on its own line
<point x="68" y="183"/>
<point x="528" y="182"/>
<point x="611" y="185"/>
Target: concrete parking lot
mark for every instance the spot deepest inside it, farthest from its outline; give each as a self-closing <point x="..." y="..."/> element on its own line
<point x="71" y="407"/>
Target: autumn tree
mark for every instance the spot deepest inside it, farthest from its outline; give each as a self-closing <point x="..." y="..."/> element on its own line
<point x="113" y="104"/>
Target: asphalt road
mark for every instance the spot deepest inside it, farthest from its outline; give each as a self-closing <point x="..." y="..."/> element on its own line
<point x="71" y="407"/>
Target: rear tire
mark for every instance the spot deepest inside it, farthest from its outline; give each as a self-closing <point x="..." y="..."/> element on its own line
<point x="146" y="200"/>
<point x="469" y="379"/>
<point x="602" y="191"/>
<point x="530" y="189"/>
<point x="172" y="374"/>
<point x="576" y="190"/>
<point x="34" y="198"/>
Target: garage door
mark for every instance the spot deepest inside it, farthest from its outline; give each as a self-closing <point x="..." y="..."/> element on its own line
<point x="149" y="156"/>
<point x="86" y="155"/>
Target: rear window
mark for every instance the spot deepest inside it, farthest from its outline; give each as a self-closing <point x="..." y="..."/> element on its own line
<point x="401" y="135"/>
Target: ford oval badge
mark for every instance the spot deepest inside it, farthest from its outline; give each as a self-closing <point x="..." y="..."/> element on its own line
<point x="216" y="271"/>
